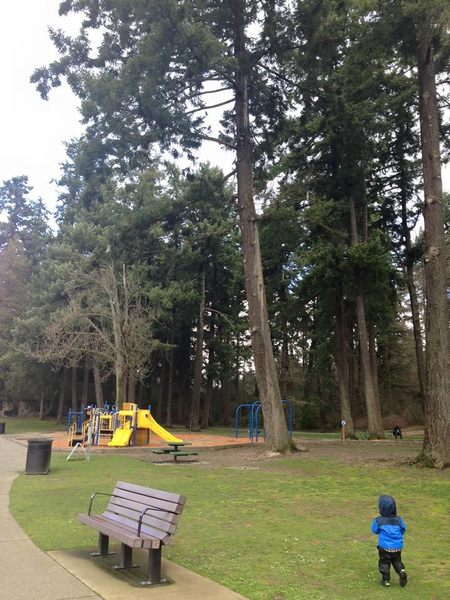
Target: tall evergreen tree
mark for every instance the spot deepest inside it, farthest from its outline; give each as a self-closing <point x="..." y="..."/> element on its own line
<point x="418" y="29"/>
<point x="147" y="84"/>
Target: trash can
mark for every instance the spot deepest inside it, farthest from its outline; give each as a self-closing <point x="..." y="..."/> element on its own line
<point x="2" y="427"/>
<point x="38" y="456"/>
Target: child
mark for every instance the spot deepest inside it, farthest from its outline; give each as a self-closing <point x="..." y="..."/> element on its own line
<point x="390" y="529"/>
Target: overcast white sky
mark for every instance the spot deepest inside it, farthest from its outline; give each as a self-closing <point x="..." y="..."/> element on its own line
<point x="32" y="131"/>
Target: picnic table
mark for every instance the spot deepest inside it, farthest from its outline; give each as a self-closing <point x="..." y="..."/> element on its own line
<point x="176" y="449"/>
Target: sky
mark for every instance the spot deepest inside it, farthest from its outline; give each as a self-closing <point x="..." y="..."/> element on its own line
<point x="33" y="132"/>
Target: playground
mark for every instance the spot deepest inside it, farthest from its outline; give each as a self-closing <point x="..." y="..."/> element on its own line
<point x="131" y="426"/>
<point x="198" y="440"/>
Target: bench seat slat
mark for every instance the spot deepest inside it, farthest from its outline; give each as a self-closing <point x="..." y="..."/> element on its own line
<point x="146" y="520"/>
<point x="118" y="531"/>
<point x="146" y="530"/>
<point x="183" y="453"/>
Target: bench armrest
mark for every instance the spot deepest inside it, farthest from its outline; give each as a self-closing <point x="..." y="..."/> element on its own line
<point x="91" y="499"/>
<point x="142" y="515"/>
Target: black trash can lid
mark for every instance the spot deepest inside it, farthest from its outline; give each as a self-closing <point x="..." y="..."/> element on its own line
<point x="40" y="440"/>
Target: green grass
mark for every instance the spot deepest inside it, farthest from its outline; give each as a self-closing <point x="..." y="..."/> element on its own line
<point x="295" y="529"/>
<point x="30" y="424"/>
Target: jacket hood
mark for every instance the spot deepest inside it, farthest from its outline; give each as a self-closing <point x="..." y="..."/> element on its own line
<point x="387" y="506"/>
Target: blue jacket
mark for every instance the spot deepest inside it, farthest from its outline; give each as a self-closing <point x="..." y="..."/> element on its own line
<point x="388" y="526"/>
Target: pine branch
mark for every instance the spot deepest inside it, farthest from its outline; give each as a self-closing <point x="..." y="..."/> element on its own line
<point x="210" y="138"/>
<point x="190" y="112"/>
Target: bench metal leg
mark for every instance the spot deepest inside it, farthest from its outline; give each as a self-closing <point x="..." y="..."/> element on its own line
<point x="154" y="568"/>
<point x="103" y="546"/>
<point x="126" y="558"/>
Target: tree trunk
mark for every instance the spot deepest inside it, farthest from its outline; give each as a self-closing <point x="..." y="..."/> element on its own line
<point x="98" y="386"/>
<point x="141" y="400"/>
<point x="62" y="396"/>
<point x="41" y="406"/>
<point x="194" y="421"/>
<point x="238" y="369"/>
<point x="285" y="371"/>
<point x="342" y="366"/>
<point x="375" y="424"/>
<point x="162" y="383"/>
<point x="277" y="435"/>
<point x="409" y="268"/>
<point x="225" y="399"/>
<point x="207" y="406"/>
<point x="131" y="394"/>
<point x="436" y="448"/>
<point x="121" y="382"/>
<point x="74" y="389"/>
<point x="170" y="390"/>
<point x="84" y="391"/>
<point x="374" y="360"/>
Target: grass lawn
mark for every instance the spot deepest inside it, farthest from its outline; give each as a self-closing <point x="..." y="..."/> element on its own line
<point x="30" y="424"/>
<point x="293" y="529"/>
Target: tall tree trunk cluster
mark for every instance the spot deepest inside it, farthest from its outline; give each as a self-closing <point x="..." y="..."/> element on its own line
<point x="436" y="447"/>
<point x="265" y="369"/>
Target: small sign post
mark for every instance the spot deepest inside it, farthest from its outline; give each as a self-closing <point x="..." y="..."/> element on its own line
<point x="343" y="424"/>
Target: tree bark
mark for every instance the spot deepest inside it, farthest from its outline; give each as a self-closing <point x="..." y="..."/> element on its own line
<point x="41" y="406"/>
<point x="342" y="366"/>
<point x="121" y="382"/>
<point x="98" y="386"/>
<point x="375" y="424"/>
<point x="277" y="436"/>
<point x="374" y="360"/>
<point x="170" y="389"/>
<point x="194" y="421"/>
<point x="162" y="383"/>
<point x="409" y="267"/>
<point x="131" y="394"/>
<point x="84" y="391"/>
<point x="74" y="389"/>
<point x="436" y="448"/>
<point x="62" y="396"/>
<point x="207" y="405"/>
<point x="285" y="370"/>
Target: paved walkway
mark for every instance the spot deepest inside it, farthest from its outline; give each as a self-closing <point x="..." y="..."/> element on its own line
<point x="27" y="573"/>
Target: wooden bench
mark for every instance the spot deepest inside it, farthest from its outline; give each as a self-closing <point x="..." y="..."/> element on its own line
<point x="138" y="517"/>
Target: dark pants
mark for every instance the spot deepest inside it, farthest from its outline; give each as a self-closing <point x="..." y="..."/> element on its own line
<point x="386" y="559"/>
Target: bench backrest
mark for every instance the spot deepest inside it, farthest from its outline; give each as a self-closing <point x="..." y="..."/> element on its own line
<point x="128" y="501"/>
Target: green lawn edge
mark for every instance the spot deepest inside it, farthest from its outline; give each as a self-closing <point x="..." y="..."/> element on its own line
<point x="299" y="528"/>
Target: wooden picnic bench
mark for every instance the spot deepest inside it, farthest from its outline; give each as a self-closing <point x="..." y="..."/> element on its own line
<point x="138" y="517"/>
<point x="173" y="450"/>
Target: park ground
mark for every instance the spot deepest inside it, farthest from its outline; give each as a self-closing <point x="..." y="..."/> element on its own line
<point x="284" y="528"/>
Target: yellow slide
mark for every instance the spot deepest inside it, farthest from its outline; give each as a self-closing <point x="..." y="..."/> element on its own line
<point x="146" y="421"/>
<point x="121" y="437"/>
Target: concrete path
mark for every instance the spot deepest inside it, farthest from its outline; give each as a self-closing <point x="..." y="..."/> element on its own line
<point x="27" y="573"/>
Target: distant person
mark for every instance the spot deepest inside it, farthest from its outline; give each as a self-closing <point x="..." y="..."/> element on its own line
<point x="397" y="432"/>
<point x="390" y="530"/>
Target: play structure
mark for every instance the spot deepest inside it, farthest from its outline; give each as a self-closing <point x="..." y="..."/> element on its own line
<point x="130" y="426"/>
<point x="254" y="416"/>
<point x="98" y="423"/>
<point x="134" y="426"/>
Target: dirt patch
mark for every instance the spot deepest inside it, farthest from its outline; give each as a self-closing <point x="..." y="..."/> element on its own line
<point x="224" y="451"/>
